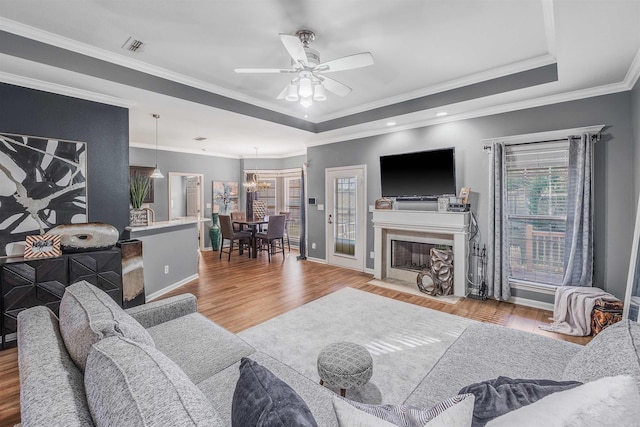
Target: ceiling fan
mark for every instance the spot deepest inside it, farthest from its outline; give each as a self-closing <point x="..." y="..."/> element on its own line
<point x="310" y="82"/>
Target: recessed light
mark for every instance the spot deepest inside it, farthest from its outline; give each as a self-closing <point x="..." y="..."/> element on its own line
<point x="391" y="123"/>
<point x="441" y="113"/>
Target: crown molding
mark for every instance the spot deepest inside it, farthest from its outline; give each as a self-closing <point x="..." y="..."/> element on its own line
<point x="633" y="73"/>
<point x="381" y="128"/>
<point x="64" y="90"/>
<point x="134" y="64"/>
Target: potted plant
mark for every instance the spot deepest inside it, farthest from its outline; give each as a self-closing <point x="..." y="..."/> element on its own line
<point x="138" y="190"/>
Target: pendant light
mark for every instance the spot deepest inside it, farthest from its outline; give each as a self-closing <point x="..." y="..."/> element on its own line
<point x="156" y="172"/>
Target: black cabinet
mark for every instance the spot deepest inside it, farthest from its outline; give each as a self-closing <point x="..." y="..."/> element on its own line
<point x="29" y="283"/>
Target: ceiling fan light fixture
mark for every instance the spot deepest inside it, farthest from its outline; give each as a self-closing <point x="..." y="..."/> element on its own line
<point x="292" y="92"/>
<point x="305" y="89"/>
<point x="306" y="101"/>
<point x="319" y="93"/>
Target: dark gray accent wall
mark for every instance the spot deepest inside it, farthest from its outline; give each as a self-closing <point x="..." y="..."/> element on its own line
<point x="104" y="128"/>
<point x="213" y="169"/>
<point x="528" y="78"/>
<point x="613" y="181"/>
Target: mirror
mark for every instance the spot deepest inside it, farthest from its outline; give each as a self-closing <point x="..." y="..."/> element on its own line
<point x="632" y="297"/>
<point x="186" y="198"/>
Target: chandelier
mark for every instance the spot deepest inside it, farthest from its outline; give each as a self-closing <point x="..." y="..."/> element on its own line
<point x="253" y="184"/>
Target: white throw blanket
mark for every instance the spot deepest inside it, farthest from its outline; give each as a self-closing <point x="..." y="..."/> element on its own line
<point x="572" y="309"/>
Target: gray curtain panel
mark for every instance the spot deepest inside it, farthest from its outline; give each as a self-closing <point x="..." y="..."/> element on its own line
<point x="497" y="261"/>
<point x="578" y="257"/>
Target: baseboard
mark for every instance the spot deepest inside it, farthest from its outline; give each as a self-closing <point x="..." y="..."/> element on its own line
<point x="207" y="249"/>
<point x="170" y="288"/>
<point x="369" y="270"/>
<point x="531" y="303"/>
<point x="318" y="260"/>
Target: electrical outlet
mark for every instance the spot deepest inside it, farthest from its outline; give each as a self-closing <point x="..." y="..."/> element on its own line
<point x="166" y="269"/>
<point x="371" y="255"/>
<point x="313" y="246"/>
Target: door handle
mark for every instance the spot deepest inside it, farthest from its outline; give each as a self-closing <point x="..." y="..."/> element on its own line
<point x="330" y="222"/>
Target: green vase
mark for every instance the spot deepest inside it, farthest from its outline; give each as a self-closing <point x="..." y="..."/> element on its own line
<point x="214" y="232"/>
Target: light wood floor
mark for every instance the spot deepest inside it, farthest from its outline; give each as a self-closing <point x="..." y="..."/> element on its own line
<point x="244" y="292"/>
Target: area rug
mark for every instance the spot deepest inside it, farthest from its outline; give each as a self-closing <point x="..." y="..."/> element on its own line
<point x="409" y="288"/>
<point x="405" y="340"/>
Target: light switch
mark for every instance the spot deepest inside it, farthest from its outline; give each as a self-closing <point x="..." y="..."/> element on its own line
<point x="208" y="205"/>
<point x="320" y="207"/>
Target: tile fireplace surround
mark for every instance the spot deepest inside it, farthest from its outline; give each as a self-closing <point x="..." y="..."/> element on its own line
<point x="442" y="228"/>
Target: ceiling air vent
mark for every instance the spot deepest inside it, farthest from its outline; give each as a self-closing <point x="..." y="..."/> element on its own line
<point x="132" y="44"/>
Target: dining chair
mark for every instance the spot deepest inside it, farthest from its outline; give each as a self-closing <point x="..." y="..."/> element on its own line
<point x="243" y="237"/>
<point x="259" y="209"/>
<point x="287" y="217"/>
<point x="273" y="236"/>
<point x="238" y="216"/>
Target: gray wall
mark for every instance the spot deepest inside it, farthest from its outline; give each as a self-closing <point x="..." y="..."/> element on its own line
<point x="213" y="168"/>
<point x="614" y="178"/>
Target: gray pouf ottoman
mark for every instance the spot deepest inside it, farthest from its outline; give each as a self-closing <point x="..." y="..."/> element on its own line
<point x="345" y="365"/>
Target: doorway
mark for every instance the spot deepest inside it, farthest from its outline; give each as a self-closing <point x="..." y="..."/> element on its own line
<point x="345" y="189"/>
<point x="186" y="198"/>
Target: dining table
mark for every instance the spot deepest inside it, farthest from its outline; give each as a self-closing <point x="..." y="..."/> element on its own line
<point x="254" y="226"/>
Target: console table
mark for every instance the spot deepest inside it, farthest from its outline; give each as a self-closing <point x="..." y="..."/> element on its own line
<point x="28" y="283"/>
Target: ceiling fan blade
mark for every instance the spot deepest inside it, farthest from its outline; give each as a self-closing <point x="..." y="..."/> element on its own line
<point x="264" y="70"/>
<point x="350" y="62"/>
<point x="282" y="94"/>
<point x="295" y="48"/>
<point x="335" y="86"/>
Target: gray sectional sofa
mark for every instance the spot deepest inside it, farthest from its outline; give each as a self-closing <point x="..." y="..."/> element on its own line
<point x="56" y="391"/>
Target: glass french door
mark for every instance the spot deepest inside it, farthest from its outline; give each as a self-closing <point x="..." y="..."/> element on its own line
<point x="345" y="215"/>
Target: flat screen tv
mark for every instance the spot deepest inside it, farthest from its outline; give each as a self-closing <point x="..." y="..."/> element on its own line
<point x="425" y="175"/>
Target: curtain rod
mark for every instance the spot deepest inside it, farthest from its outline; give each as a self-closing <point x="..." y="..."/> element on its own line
<point x="594" y="138"/>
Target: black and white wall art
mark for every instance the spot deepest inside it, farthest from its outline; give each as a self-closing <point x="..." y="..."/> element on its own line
<point x="43" y="183"/>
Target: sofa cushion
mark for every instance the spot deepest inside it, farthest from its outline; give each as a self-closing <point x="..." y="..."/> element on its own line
<point x="317" y="397"/>
<point x="198" y="346"/>
<point x="262" y="399"/>
<point x="87" y="315"/>
<point x="486" y="351"/>
<point x="614" y="351"/>
<point x="501" y="395"/>
<point x="456" y="411"/>
<point x="51" y="385"/>
<point x="128" y="383"/>
<point x="610" y="401"/>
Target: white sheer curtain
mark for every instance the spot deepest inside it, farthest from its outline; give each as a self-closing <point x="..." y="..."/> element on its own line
<point x="497" y="261"/>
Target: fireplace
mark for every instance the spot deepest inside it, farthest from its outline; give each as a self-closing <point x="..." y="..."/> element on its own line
<point x="411" y="256"/>
<point x="403" y="241"/>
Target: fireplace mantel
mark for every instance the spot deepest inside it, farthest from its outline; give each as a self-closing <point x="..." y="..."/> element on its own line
<point x="422" y="226"/>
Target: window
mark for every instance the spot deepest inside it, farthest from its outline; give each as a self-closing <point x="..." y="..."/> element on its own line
<point x="293" y="191"/>
<point x="536" y="211"/>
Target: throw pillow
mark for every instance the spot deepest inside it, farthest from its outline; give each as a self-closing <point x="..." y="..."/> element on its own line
<point x="453" y="412"/>
<point x="263" y="400"/>
<point x="610" y="401"/>
<point x="87" y="315"/>
<point x="613" y="351"/>
<point x="132" y="384"/>
<point x="501" y="395"/>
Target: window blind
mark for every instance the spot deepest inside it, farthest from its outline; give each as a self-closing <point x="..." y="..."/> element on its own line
<point x="536" y="183"/>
